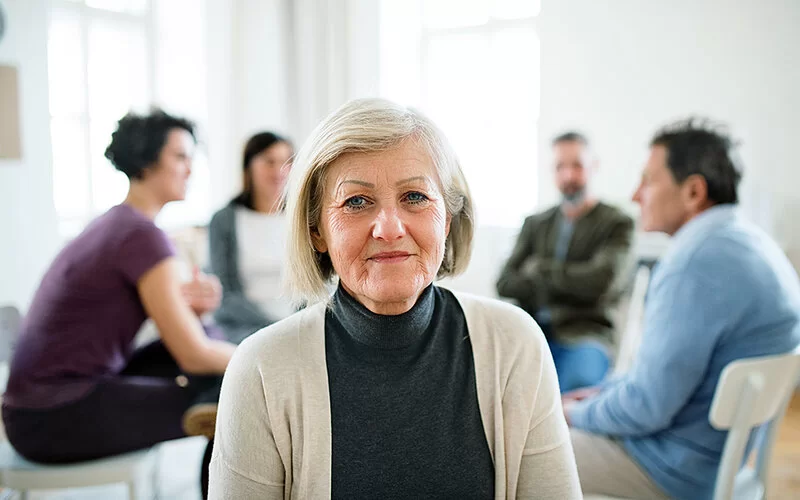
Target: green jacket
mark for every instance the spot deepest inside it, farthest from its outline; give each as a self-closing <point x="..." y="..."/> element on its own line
<point x="580" y="291"/>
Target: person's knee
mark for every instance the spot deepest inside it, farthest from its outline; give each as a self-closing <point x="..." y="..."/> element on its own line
<point x="586" y="366"/>
<point x="594" y="365"/>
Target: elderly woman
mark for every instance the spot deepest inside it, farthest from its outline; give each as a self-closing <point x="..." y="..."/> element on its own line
<point x="393" y="387"/>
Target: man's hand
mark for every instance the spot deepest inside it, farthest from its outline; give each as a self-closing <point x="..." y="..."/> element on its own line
<point x="571" y="398"/>
<point x="203" y="293"/>
<point x="579" y="394"/>
<point x="530" y="267"/>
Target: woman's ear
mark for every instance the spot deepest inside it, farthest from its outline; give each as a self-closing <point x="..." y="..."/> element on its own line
<point x="319" y="242"/>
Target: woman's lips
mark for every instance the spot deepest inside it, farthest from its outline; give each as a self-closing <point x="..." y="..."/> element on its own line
<point x="390" y="257"/>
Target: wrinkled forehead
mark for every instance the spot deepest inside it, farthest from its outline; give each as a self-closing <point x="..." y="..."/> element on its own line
<point x="406" y="163"/>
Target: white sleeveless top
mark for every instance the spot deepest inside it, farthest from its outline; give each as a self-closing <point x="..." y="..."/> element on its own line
<point x="262" y="248"/>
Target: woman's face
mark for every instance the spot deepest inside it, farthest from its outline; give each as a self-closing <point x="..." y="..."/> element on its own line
<point x="269" y="169"/>
<point x="384" y="224"/>
<point x="169" y="176"/>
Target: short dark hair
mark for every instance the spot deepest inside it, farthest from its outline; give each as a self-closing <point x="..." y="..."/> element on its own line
<point x="139" y="139"/>
<point x="698" y="146"/>
<point x="254" y="146"/>
<point x="571" y="136"/>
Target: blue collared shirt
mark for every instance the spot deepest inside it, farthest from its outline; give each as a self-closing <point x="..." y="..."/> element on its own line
<point x="723" y="291"/>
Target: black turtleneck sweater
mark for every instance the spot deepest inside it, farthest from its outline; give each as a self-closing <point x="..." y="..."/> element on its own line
<point x="404" y="405"/>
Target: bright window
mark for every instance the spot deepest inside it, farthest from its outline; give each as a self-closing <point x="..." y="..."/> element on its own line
<point x="105" y="58"/>
<point x="473" y="67"/>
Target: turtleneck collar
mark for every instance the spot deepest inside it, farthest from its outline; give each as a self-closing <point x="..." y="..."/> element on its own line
<point x="380" y="331"/>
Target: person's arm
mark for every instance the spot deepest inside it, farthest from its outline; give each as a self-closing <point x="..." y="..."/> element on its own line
<point x="548" y="468"/>
<point x="684" y="318"/>
<point x="178" y="326"/>
<point x="516" y="280"/>
<point x="245" y="462"/>
<point x="236" y="308"/>
<point x="588" y="281"/>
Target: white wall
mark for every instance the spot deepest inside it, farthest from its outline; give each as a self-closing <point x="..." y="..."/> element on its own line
<point x="222" y="153"/>
<point x="28" y="222"/>
<point x="618" y="70"/>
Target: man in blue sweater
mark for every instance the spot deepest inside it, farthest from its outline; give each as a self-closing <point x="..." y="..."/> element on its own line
<point x="723" y="291"/>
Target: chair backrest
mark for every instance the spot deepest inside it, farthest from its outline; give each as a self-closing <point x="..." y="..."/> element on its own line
<point x="632" y="335"/>
<point x="750" y="393"/>
<point x="10" y="320"/>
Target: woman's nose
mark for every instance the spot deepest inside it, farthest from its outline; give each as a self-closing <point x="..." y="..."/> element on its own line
<point x="388" y="225"/>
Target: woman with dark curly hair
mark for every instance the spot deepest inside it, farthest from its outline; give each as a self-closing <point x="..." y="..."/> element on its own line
<point x="78" y="390"/>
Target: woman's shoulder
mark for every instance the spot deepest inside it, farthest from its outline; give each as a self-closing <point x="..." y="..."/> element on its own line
<point x="287" y="341"/>
<point x="507" y="344"/>
<point x="504" y="322"/>
<point x="224" y="216"/>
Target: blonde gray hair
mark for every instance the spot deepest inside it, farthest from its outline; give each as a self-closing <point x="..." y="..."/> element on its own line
<point x="363" y="126"/>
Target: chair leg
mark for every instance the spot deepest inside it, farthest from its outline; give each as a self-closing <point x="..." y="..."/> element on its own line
<point x="154" y="478"/>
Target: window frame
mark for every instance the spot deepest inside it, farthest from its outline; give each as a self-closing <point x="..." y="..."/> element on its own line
<point x="70" y="225"/>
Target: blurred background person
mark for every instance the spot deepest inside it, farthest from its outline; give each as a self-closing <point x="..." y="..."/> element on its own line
<point x="247" y="241"/>
<point x="567" y="265"/>
<point x="77" y="388"/>
<point x="723" y="291"/>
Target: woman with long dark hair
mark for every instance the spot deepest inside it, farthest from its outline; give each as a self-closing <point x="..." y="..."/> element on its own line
<point x="247" y="241"/>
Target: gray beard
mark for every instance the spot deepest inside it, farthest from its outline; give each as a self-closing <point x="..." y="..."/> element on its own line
<point x="575" y="198"/>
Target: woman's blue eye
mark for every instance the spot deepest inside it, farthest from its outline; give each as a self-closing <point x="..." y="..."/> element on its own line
<point x="356" y="202"/>
<point x="415" y="197"/>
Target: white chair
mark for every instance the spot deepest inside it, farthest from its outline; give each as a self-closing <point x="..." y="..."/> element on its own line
<point x="632" y="335"/>
<point x="18" y="474"/>
<point x="751" y="392"/>
<point x="133" y="469"/>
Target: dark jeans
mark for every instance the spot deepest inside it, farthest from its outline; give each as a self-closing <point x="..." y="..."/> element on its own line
<point x="578" y="365"/>
<point x="136" y="409"/>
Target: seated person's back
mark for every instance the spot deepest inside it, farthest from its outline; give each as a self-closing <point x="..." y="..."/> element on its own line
<point x="78" y="390"/>
<point x="723" y="291"/>
<point x="84" y="316"/>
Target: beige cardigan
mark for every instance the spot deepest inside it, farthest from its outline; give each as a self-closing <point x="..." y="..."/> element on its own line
<point x="273" y="436"/>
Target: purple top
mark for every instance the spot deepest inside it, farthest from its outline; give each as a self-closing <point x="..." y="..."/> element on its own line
<point x="86" y="312"/>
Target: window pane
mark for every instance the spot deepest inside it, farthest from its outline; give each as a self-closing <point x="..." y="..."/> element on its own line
<point x="109" y="185"/>
<point x="455" y="13"/>
<point x="400" y="36"/>
<point x="118" y="83"/>
<point x="70" y="168"/>
<point x="65" y="64"/>
<point x="180" y="60"/>
<point x="129" y="6"/>
<point x="515" y="69"/>
<point x="515" y="9"/>
<point x="118" y="69"/>
<point x="483" y="90"/>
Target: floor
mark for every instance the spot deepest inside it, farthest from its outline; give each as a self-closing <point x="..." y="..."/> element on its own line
<point x="180" y="461"/>
<point x="784" y="478"/>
